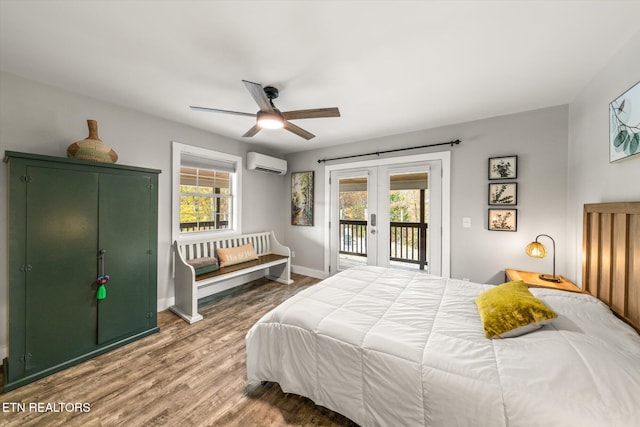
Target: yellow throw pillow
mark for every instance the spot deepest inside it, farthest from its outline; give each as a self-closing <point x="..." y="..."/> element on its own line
<point x="510" y="310"/>
<point x="231" y="256"/>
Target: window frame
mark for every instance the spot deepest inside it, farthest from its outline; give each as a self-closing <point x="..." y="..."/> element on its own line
<point x="178" y="149"/>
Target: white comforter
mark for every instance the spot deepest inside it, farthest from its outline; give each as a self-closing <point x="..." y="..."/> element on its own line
<point x="397" y="348"/>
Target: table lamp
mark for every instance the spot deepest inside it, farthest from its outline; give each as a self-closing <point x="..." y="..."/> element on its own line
<point x="537" y="250"/>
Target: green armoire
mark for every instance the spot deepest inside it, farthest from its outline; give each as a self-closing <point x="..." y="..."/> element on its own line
<point x="71" y="221"/>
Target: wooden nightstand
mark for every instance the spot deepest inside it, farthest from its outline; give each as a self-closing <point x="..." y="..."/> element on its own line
<point x="532" y="280"/>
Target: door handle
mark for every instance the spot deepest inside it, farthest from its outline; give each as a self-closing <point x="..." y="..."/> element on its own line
<point x="373" y="220"/>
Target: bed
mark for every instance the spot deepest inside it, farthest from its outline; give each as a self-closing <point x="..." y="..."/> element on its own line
<point x="394" y="347"/>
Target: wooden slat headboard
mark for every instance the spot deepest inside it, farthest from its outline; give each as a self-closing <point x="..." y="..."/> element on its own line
<point x="611" y="257"/>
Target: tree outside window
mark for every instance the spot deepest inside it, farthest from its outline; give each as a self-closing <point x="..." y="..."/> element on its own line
<point x="205" y="197"/>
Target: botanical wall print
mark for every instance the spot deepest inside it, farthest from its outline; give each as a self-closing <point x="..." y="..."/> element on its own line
<point x="503" y="219"/>
<point x="624" y="125"/>
<point x="503" y="194"/>
<point x="503" y="167"/>
<point x="302" y="198"/>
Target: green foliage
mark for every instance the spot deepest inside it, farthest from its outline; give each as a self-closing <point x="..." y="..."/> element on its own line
<point x="205" y="208"/>
<point x="353" y="205"/>
<point x="635" y="142"/>
<point x="627" y="138"/>
<point x="404" y="205"/>
<point x="397" y="206"/>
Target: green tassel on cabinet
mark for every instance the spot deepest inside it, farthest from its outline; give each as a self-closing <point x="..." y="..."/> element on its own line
<point x="102" y="289"/>
<point x="102" y="292"/>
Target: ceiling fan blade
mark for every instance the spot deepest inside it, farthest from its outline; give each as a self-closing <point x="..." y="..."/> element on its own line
<point x="258" y="95"/>
<point x="311" y="114"/>
<point x="251" y="132"/>
<point x="215" y="110"/>
<point x="298" y="130"/>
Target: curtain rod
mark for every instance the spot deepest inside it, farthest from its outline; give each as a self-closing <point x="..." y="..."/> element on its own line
<point x="377" y="153"/>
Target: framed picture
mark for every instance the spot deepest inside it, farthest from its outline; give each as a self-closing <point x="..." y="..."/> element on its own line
<point x="503" y="193"/>
<point x="503" y="219"/>
<point x="503" y="167"/>
<point x="302" y="198"/>
<point x="624" y="125"/>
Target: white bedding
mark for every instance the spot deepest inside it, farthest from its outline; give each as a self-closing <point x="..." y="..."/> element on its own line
<point x="388" y="347"/>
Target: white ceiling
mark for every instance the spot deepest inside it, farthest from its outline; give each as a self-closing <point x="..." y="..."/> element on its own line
<point x="390" y="66"/>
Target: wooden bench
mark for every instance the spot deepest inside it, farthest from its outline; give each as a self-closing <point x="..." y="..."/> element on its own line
<point x="273" y="259"/>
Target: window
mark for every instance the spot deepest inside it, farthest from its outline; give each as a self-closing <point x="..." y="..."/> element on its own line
<point x="206" y="191"/>
<point x="205" y="200"/>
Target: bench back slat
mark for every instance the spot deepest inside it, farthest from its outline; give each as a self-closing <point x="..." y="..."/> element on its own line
<point x="208" y="248"/>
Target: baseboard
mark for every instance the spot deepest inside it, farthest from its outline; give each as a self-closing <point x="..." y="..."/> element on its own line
<point x="165" y="303"/>
<point x="318" y="274"/>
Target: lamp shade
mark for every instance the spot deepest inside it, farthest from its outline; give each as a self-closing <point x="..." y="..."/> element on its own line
<point x="536" y="250"/>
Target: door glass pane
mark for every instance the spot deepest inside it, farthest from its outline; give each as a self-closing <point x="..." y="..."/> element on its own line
<point x="353" y="205"/>
<point x="409" y="218"/>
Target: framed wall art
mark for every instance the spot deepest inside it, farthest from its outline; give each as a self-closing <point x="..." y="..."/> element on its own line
<point x="624" y="125"/>
<point x="503" y="194"/>
<point x="503" y="219"/>
<point x="302" y="198"/>
<point x="503" y="167"/>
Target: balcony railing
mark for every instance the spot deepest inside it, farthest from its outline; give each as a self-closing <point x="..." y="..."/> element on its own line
<point x="408" y="240"/>
<point x="203" y="226"/>
<point x="353" y="237"/>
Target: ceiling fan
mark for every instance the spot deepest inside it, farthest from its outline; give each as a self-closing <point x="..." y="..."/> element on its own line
<point x="269" y="117"/>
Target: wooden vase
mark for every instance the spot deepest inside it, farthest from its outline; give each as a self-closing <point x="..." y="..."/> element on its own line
<point x="92" y="148"/>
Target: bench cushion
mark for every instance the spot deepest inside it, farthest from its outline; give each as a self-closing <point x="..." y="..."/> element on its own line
<point x="236" y="255"/>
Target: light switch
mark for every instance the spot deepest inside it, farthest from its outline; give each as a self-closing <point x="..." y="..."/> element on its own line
<point x="466" y="222"/>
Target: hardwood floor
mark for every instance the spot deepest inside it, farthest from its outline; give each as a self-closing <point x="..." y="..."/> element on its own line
<point x="186" y="375"/>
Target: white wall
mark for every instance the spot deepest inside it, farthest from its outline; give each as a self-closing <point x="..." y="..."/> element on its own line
<point x="592" y="179"/>
<point x="45" y="120"/>
<point x="41" y="119"/>
<point x="538" y="138"/>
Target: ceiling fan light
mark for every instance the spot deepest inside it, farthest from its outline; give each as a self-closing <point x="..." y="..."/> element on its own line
<point x="269" y="120"/>
<point x="270" y="124"/>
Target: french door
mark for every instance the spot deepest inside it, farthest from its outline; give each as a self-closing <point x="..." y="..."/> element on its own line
<point x="387" y="215"/>
<point x="353" y="222"/>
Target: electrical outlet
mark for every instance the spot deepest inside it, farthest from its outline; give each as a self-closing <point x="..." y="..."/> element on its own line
<point x="293" y="254"/>
<point x="466" y="222"/>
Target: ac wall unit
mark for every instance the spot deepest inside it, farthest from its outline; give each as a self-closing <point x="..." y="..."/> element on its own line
<point x="264" y="163"/>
